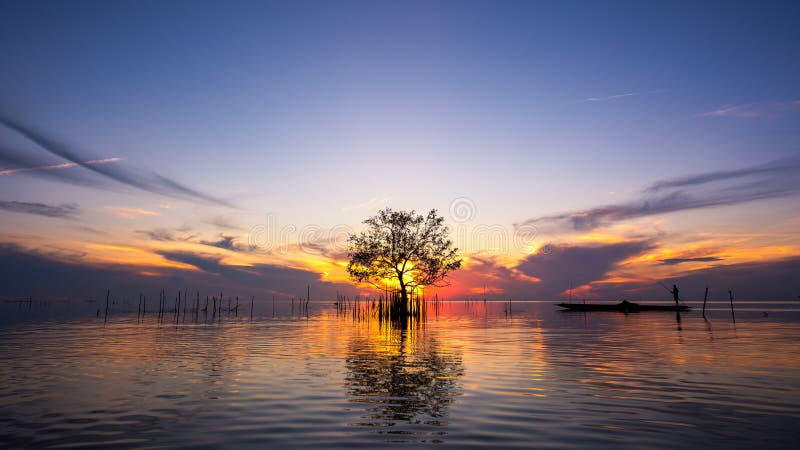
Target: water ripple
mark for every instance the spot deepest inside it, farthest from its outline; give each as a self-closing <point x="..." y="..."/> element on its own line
<point x="470" y="376"/>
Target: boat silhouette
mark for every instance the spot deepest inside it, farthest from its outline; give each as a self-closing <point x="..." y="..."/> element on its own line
<point x="623" y="306"/>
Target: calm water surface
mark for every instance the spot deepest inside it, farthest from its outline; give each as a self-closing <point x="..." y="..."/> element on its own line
<point x="472" y="374"/>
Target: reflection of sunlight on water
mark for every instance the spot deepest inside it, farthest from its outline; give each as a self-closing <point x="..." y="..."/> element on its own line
<point x="472" y="374"/>
<point x="400" y="384"/>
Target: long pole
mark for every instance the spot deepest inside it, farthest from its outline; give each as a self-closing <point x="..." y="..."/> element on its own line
<point x="108" y="294"/>
<point x="705" y="298"/>
<point x="730" y="294"/>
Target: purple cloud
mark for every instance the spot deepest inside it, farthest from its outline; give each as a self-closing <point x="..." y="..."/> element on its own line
<point x="576" y="265"/>
<point x="136" y="177"/>
<point x="67" y="211"/>
<point x="713" y="189"/>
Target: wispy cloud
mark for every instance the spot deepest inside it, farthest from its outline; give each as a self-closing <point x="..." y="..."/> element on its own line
<point x="224" y="242"/>
<point x="88" y="229"/>
<point x="712" y="189"/>
<point x="57" y="166"/>
<point x="753" y="110"/>
<point x="371" y="202"/>
<point x="675" y="261"/>
<point x="162" y="235"/>
<point x="13" y="159"/>
<point x="41" y="209"/>
<point x="223" y="223"/>
<point x="784" y="165"/>
<point x="610" y="97"/>
<point x="130" y="213"/>
<point x="136" y="177"/>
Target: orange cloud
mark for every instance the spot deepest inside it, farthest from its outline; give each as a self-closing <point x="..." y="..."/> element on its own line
<point x="130" y="213"/>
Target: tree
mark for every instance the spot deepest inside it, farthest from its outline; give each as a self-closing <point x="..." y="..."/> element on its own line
<point x="403" y="247"/>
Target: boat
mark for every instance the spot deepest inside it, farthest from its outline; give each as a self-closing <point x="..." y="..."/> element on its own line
<point x="623" y="306"/>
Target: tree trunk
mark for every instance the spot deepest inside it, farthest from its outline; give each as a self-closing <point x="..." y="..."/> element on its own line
<point x="403" y="293"/>
<point x="401" y="306"/>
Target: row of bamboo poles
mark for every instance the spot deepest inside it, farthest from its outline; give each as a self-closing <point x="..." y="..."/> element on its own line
<point x="387" y="307"/>
<point x="181" y="305"/>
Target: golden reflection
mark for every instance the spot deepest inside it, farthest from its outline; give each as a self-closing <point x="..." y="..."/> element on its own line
<point x="400" y="373"/>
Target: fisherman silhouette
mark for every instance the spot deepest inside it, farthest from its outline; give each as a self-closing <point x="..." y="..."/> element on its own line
<point x="675" y="294"/>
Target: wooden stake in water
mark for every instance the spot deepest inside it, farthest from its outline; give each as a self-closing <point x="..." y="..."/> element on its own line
<point x="705" y="298"/>
<point x="108" y="294"/>
<point x="733" y="316"/>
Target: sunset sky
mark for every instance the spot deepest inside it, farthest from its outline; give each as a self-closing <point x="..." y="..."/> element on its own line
<point x="602" y="148"/>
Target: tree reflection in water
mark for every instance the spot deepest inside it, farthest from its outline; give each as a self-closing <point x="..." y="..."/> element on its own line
<point x="402" y="374"/>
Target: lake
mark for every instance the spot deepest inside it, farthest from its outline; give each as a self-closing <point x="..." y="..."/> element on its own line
<point x="471" y="374"/>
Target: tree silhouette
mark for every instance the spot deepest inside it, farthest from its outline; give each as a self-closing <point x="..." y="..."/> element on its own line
<point x="403" y="246"/>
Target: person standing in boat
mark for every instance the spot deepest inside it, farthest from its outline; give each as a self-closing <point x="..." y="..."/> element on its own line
<point x="675" y="294"/>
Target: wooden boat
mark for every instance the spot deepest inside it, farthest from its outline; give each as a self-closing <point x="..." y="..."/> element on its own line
<point x="623" y="306"/>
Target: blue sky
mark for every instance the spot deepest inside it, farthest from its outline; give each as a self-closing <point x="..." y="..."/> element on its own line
<point x="307" y="109"/>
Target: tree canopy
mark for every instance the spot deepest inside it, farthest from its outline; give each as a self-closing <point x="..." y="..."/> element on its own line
<point x="403" y="247"/>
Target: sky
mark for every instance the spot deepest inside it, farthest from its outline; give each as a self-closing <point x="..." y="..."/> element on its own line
<point x="586" y="149"/>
